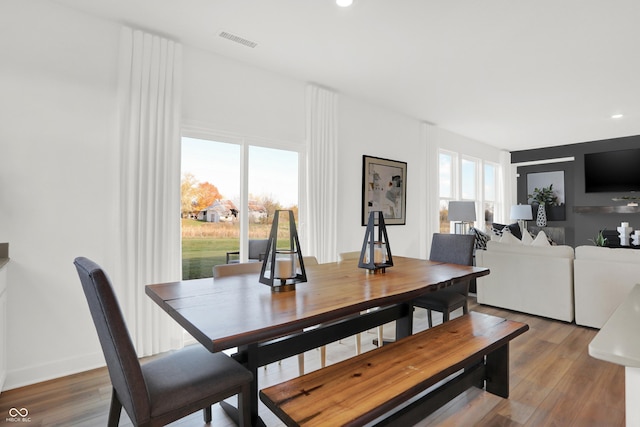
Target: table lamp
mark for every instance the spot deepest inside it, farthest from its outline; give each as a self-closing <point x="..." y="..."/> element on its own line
<point x="462" y="213"/>
<point x="521" y="213"/>
<point x="283" y="266"/>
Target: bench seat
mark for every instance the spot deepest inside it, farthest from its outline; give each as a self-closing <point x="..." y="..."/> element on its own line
<point x="364" y="388"/>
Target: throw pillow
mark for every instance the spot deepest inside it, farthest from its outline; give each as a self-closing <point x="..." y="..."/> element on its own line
<point x="541" y="240"/>
<point x="481" y="238"/>
<point x="526" y="238"/>
<point x="514" y="228"/>
<point x="509" y="238"/>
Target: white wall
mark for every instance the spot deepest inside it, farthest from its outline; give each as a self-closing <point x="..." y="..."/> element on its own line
<point x="365" y="129"/>
<point x="58" y="176"/>
<point x="57" y="79"/>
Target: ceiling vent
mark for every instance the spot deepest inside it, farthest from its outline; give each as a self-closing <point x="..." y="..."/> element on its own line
<point x="238" y="39"/>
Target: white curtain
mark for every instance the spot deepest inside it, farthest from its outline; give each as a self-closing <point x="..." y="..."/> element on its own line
<point x="322" y="177"/>
<point x="149" y="124"/>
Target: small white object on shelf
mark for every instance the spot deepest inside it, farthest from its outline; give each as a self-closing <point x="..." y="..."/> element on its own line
<point x="623" y="232"/>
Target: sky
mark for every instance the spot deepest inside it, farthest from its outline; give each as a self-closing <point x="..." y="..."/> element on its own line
<point x="272" y="172"/>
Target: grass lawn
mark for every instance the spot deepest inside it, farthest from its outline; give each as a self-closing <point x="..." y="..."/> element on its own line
<point x="206" y="244"/>
<point x="200" y="254"/>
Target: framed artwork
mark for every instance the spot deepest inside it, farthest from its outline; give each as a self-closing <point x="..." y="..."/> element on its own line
<point x="384" y="188"/>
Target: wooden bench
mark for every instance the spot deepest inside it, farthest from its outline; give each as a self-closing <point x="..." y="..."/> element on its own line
<point x="429" y="369"/>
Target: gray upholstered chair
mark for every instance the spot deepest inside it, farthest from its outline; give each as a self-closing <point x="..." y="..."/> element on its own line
<point x="454" y="249"/>
<point x="256" y="249"/>
<point x="168" y="387"/>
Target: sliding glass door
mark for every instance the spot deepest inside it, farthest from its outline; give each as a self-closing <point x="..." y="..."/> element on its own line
<point x="230" y="191"/>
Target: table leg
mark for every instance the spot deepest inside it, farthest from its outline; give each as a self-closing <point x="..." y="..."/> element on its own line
<point x="404" y="325"/>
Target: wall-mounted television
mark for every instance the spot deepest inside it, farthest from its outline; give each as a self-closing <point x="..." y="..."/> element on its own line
<point x="612" y="171"/>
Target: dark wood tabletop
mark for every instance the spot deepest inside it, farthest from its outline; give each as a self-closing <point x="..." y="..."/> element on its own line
<point x="238" y="310"/>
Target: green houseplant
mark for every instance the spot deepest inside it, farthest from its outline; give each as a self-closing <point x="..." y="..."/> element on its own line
<point x="543" y="196"/>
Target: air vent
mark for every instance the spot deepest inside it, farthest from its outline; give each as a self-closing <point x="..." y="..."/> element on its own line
<point x="238" y="39"/>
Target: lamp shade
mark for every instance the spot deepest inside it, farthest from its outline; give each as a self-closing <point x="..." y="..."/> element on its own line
<point x="462" y="211"/>
<point x="521" y="212"/>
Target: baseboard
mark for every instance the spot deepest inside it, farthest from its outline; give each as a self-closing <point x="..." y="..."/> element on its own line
<point x="49" y="371"/>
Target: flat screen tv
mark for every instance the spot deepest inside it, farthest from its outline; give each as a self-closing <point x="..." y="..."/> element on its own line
<point x="612" y="171"/>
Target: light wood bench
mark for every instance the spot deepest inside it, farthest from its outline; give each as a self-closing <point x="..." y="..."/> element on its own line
<point x="412" y="377"/>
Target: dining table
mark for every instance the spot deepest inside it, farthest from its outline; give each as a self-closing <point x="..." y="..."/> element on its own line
<point x="338" y="300"/>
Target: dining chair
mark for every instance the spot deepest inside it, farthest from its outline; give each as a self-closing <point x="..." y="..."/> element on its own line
<point x="454" y="249"/>
<point x="165" y="388"/>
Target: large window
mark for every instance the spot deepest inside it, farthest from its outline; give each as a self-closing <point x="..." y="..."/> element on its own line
<point x="467" y="178"/>
<point x="230" y="191"/>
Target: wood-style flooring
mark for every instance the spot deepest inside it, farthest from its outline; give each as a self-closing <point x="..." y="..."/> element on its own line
<point x="554" y="382"/>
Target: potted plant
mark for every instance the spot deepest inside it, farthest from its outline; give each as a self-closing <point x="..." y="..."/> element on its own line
<point x="599" y="240"/>
<point x="543" y="196"/>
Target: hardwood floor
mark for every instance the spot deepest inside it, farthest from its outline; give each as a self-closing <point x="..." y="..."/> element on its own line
<point x="554" y="382"/>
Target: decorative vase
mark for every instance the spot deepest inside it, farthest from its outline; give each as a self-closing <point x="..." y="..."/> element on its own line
<point x="541" y="217"/>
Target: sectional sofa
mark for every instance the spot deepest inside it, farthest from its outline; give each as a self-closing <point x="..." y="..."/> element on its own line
<point x="558" y="282"/>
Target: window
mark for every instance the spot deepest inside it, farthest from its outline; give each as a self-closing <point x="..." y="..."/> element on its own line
<point x="490" y="193"/>
<point x="216" y="208"/>
<point x="446" y="173"/>
<point x="467" y="178"/>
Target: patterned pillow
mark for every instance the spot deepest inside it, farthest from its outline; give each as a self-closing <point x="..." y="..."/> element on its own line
<point x="514" y="228"/>
<point x="481" y="238"/>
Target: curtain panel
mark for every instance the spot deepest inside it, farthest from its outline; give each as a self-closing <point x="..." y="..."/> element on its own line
<point x="149" y="87"/>
<point x="322" y="177"/>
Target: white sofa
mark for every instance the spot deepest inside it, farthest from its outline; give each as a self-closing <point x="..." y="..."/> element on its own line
<point x="603" y="279"/>
<point x="531" y="279"/>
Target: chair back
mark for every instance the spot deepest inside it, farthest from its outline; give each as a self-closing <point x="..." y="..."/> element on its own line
<point x="224" y="270"/>
<point x="310" y="260"/>
<point x="257" y="248"/>
<point x="122" y="361"/>
<point x="344" y="256"/>
<point x="452" y="248"/>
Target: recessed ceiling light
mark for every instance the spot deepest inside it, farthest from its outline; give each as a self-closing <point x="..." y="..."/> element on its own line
<point x="344" y="3"/>
<point x="617" y="116"/>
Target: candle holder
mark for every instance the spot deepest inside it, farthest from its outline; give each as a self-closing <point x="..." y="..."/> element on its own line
<point x="283" y="266"/>
<point x="375" y="255"/>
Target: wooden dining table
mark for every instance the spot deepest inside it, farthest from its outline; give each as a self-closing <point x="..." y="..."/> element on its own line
<point x="338" y="300"/>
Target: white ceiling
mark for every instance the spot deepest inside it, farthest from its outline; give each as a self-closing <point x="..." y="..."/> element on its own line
<point x="515" y="74"/>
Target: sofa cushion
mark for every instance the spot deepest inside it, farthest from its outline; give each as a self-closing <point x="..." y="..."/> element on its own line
<point x="541" y="239"/>
<point x="600" y="253"/>
<point x="526" y="238"/>
<point x="509" y="238"/>
<point x="558" y="251"/>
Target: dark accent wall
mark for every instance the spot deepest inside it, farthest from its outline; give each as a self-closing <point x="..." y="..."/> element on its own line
<point x="579" y="227"/>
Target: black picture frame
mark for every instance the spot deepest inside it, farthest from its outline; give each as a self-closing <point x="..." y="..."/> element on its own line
<point x="384" y="188"/>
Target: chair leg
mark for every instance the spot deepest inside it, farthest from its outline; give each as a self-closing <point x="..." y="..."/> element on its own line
<point x="465" y="308"/>
<point x="301" y="363"/>
<point x="114" y="410"/>
<point x="206" y="413"/>
<point x="429" y="319"/>
<point x="323" y="356"/>
<point x="358" y="344"/>
<point x="244" y="407"/>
